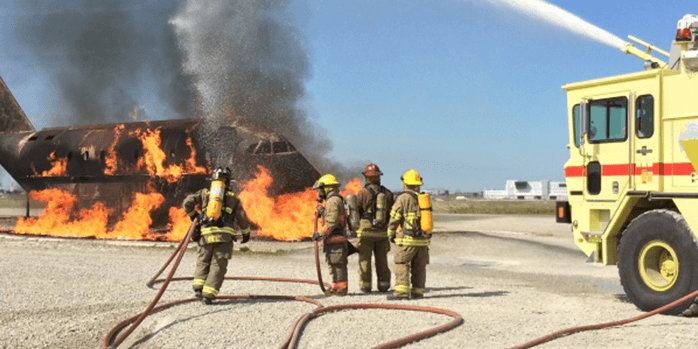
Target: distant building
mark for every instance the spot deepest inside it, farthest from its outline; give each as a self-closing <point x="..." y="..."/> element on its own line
<point x="436" y="192"/>
<point x="529" y="190"/>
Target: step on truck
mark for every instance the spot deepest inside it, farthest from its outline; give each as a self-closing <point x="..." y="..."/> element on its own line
<point x="631" y="176"/>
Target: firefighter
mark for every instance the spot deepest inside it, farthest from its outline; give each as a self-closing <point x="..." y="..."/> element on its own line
<point x="374" y="203"/>
<point x="220" y="210"/>
<point x="412" y="255"/>
<point x="332" y="233"/>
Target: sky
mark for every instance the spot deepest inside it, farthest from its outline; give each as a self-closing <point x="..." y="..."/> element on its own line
<point x="467" y="92"/>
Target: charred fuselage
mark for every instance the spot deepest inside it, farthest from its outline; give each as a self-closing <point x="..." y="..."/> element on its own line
<point x="108" y="163"/>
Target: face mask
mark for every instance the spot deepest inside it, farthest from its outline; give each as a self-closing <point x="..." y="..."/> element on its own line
<point x="321" y="196"/>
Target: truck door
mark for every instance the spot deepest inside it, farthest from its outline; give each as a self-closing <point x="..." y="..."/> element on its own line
<point x="606" y="154"/>
<point x="645" y="146"/>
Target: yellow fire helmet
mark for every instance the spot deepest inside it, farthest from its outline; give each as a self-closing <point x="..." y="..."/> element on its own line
<point x="411" y="177"/>
<point x="326" y="180"/>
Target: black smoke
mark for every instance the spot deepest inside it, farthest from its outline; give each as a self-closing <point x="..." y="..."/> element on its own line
<point x="205" y="58"/>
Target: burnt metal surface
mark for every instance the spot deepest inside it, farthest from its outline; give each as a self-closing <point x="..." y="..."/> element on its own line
<point x="12" y="118"/>
<point x="29" y="157"/>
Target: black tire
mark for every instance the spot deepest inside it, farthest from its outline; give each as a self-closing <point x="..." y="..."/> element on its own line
<point x="649" y="249"/>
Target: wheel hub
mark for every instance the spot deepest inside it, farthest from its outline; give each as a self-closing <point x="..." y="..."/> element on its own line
<point x="659" y="265"/>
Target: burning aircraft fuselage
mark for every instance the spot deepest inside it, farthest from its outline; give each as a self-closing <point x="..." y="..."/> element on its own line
<point x="108" y="163"/>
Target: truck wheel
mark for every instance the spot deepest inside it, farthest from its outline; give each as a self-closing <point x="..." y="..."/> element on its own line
<point x="658" y="261"/>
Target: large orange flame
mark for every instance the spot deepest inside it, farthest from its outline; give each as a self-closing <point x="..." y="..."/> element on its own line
<point x="111" y="161"/>
<point x="191" y="162"/>
<point x="55" y="219"/>
<point x="59" y="167"/>
<point x="155" y="157"/>
<point x="137" y="221"/>
<point x="286" y="217"/>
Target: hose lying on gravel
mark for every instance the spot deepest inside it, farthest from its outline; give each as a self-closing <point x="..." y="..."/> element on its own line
<point x="111" y="340"/>
<point x="572" y="330"/>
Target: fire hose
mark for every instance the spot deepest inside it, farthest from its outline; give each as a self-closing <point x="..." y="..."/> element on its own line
<point x="572" y="330"/>
<point x="111" y="340"/>
<point x="114" y="337"/>
<point x="317" y="252"/>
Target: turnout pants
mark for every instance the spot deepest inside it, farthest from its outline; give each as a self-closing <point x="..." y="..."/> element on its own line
<point x="211" y="267"/>
<point x="411" y="265"/>
<point x="379" y="247"/>
<point x="336" y="256"/>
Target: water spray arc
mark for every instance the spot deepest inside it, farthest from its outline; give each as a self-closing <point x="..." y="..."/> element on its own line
<point x="554" y="15"/>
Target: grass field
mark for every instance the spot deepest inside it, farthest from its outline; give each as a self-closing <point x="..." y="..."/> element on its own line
<point x="494" y="207"/>
<point x="19" y="202"/>
<point x="439" y="206"/>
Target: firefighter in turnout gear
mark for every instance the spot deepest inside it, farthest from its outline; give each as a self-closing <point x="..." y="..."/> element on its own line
<point x="332" y="233"/>
<point x="412" y="255"/>
<point x="374" y="203"/>
<point x="220" y="211"/>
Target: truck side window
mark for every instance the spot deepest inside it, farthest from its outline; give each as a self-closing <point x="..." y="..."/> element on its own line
<point x="608" y="120"/>
<point x="576" y="124"/>
<point x="644" y="116"/>
<point x="594" y="178"/>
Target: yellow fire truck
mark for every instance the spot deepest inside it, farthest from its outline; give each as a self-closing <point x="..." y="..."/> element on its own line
<point x="631" y="177"/>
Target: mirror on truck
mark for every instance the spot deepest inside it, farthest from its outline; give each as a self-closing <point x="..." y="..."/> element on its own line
<point x="584" y="129"/>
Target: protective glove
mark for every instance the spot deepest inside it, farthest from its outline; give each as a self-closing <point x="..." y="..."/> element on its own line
<point x="392" y="239"/>
<point x="245" y="238"/>
<point x="316" y="236"/>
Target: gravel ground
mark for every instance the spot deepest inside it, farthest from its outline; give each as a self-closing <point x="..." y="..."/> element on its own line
<point x="512" y="279"/>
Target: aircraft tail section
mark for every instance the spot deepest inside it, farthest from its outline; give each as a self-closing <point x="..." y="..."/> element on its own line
<point x="12" y="118"/>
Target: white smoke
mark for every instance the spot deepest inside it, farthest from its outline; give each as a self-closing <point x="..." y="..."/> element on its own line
<point x="202" y="35"/>
<point x="539" y="9"/>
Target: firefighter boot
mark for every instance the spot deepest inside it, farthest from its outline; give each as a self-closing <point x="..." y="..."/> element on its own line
<point x="207" y="299"/>
<point x="398" y="296"/>
<point x="691" y="311"/>
<point x="197" y="292"/>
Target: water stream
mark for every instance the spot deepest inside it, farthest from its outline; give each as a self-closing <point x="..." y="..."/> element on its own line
<point x="552" y="14"/>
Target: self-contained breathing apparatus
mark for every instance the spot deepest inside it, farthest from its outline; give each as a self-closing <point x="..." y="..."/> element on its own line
<point x="376" y="215"/>
<point x="216" y="214"/>
<point x="329" y="180"/>
<point x="423" y="223"/>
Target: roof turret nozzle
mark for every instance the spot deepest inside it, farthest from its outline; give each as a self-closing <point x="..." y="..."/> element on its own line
<point x="651" y="62"/>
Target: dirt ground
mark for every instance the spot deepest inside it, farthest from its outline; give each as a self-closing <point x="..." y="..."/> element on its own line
<point x="512" y="279"/>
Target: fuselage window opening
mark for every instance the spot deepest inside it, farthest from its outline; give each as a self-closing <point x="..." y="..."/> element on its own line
<point x="264" y="148"/>
<point x="85" y="156"/>
<point x="251" y="148"/>
<point x="102" y="155"/>
<point x="280" y="147"/>
<point x="49" y="137"/>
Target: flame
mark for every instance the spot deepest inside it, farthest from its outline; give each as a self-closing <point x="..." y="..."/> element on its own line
<point x="286" y="217"/>
<point x="111" y="160"/>
<point x="179" y="224"/>
<point x="353" y="187"/>
<point x="136" y="221"/>
<point x="155" y="157"/>
<point x="191" y="162"/>
<point x="56" y="220"/>
<point x="58" y="167"/>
